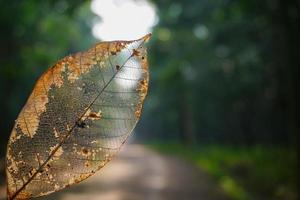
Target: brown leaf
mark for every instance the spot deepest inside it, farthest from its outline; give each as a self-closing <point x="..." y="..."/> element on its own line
<point x="77" y="117"/>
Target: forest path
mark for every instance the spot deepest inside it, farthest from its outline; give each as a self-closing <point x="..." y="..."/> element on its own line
<point x="139" y="173"/>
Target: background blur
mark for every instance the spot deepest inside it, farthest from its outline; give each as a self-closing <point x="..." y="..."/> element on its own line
<point x="224" y="76"/>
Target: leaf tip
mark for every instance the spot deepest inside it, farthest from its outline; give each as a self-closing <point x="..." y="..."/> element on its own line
<point x="147" y="37"/>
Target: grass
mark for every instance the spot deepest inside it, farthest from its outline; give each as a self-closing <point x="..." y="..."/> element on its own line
<point x="255" y="172"/>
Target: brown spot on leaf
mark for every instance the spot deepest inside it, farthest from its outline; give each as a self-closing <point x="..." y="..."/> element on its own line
<point x="142" y="82"/>
<point x="138" y="113"/>
<point x="92" y="115"/>
<point x="95" y="116"/>
<point x="117" y="67"/>
<point x="143" y="87"/>
<point x="85" y="151"/>
<point x="135" y="52"/>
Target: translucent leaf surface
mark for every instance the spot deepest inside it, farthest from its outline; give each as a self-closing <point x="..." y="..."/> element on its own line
<point x="77" y="117"/>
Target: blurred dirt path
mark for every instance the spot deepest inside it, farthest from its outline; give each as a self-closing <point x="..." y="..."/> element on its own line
<point x="139" y="173"/>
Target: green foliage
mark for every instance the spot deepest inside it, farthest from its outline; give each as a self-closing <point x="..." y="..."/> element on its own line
<point x="234" y="190"/>
<point x="244" y="172"/>
<point x="216" y="75"/>
<point x="224" y="72"/>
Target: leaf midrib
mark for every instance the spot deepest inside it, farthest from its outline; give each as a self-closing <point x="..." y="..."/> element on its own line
<point x="71" y="130"/>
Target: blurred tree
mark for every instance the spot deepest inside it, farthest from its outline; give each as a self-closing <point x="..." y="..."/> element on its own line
<point x="224" y="71"/>
<point x="33" y="35"/>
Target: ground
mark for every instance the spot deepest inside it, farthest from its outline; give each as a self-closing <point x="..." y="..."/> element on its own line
<point x="139" y="173"/>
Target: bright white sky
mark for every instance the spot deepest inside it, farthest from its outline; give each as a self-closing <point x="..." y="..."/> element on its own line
<point x="123" y="19"/>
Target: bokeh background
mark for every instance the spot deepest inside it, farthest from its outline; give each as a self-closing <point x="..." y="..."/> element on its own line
<point x="224" y="91"/>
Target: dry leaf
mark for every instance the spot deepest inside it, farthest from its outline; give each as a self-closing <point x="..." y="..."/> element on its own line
<point x="77" y="117"/>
